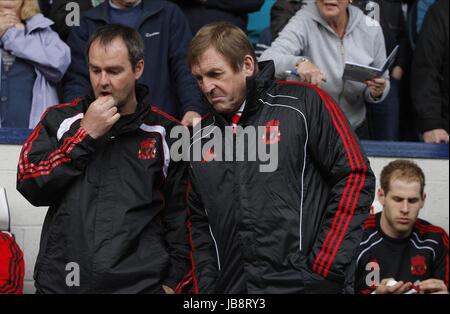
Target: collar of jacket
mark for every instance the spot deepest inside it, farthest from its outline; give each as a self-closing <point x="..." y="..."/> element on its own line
<point x="38" y="21"/>
<point x="354" y="16"/>
<point x="100" y="12"/>
<point x="133" y="121"/>
<point x="255" y="85"/>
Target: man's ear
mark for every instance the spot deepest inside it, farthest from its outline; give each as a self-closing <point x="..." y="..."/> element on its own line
<point x="139" y="69"/>
<point x="381" y="196"/>
<point x="249" y="65"/>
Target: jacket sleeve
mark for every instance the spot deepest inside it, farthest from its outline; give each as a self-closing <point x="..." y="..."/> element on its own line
<point x="339" y="158"/>
<point x="76" y="81"/>
<point x="42" y="47"/>
<point x="204" y="259"/>
<point x="48" y="164"/>
<point x="427" y="73"/>
<point x="175" y="223"/>
<point x="186" y="86"/>
<point x="288" y="46"/>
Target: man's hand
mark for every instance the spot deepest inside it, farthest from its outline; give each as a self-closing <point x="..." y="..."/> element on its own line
<point x="188" y="119"/>
<point x="436" y="136"/>
<point x="7" y="20"/>
<point x="376" y="87"/>
<point x="168" y="290"/>
<point x="433" y="286"/>
<point x="397" y="73"/>
<point x="399" y="288"/>
<point x="100" y="117"/>
<point x="310" y="73"/>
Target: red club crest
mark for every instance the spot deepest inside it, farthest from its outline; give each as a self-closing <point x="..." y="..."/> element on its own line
<point x="272" y="135"/>
<point x="418" y="265"/>
<point x="147" y="149"/>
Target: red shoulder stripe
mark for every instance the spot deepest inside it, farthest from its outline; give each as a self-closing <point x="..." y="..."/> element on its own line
<point x="164" y="114"/>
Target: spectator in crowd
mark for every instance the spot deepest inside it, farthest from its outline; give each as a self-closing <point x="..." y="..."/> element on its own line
<point x="202" y="12"/>
<point x="430" y="75"/>
<point x="116" y="198"/>
<point x="33" y="59"/>
<point x="254" y="230"/>
<point x="59" y="12"/>
<point x="282" y="11"/>
<point x="397" y="244"/>
<point x="318" y="41"/>
<point x="166" y="35"/>
<point x="384" y="117"/>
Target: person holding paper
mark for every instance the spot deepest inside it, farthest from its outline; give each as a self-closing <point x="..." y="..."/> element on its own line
<point x="319" y="40"/>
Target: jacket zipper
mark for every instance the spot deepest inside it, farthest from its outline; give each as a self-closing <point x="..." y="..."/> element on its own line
<point x="343" y="63"/>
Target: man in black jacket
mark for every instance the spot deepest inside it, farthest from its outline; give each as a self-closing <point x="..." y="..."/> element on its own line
<point x="430" y="74"/>
<point x="289" y="223"/>
<point x="117" y="216"/>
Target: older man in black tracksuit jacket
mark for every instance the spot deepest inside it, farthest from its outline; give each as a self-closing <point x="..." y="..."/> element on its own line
<point x="293" y="230"/>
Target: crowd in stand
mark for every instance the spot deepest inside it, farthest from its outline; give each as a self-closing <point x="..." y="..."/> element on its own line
<point x="43" y="64"/>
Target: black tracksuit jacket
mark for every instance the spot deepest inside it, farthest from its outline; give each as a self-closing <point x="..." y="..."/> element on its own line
<point x="117" y="204"/>
<point x="421" y="256"/>
<point x="294" y="230"/>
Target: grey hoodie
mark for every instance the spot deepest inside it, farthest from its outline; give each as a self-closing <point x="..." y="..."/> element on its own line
<point x="308" y="34"/>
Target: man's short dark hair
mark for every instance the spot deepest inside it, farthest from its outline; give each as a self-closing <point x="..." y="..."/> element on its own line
<point x="132" y="39"/>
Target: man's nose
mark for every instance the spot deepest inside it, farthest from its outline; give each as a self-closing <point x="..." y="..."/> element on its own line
<point x="104" y="79"/>
<point x="405" y="207"/>
<point x="207" y="86"/>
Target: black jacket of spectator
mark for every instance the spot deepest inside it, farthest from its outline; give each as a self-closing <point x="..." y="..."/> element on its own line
<point x="429" y="81"/>
<point x="281" y="13"/>
<point x="58" y="14"/>
<point x="234" y="11"/>
<point x="45" y="6"/>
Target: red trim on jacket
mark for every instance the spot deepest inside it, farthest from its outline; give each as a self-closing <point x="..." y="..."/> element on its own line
<point x="164" y="114"/>
<point x="354" y="156"/>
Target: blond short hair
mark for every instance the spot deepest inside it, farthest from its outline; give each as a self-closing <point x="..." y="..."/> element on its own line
<point x="402" y="170"/>
<point x="29" y="9"/>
